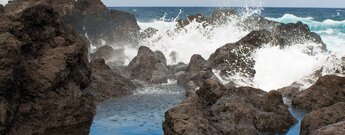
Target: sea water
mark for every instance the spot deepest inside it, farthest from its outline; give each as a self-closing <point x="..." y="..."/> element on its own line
<point x="143" y="112"/>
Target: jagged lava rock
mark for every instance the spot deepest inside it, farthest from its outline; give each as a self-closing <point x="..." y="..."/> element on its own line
<point x="43" y="80"/>
<point x="235" y="57"/>
<point x="321" y="120"/>
<point x="333" y="129"/>
<point x="89" y="17"/>
<point x="219" y="110"/>
<point x="326" y="91"/>
<point x="149" y="66"/>
<point x="107" y="84"/>
<point x="196" y="72"/>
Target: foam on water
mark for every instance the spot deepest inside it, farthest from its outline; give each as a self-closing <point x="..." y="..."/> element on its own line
<point x="275" y="67"/>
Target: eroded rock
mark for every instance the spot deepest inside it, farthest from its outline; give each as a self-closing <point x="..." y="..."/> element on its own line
<point x="149" y="66"/>
<point x="42" y="81"/>
<point x="322" y="120"/>
<point x="106" y="84"/>
<point x="327" y="91"/>
<point x="219" y="110"/>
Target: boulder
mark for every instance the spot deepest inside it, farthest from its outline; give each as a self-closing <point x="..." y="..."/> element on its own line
<point x="148" y="33"/>
<point x="219" y="110"/>
<point x="327" y="91"/>
<point x="2" y="9"/>
<point x="91" y="18"/>
<point x="107" y="84"/>
<point x="149" y="66"/>
<point x="333" y="129"/>
<point x="235" y="58"/>
<point x="43" y="74"/>
<point x="177" y="70"/>
<point x="196" y="72"/>
<point x="325" y="120"/>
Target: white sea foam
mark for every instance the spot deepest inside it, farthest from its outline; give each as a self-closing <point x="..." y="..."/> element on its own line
<point x="275" y="67"/>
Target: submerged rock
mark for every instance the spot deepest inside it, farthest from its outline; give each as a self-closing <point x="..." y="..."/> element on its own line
<point x="149" y="66"/>
<point x="327" y="91"/>
<point x="43" y="75"/>
<point x="325" y="121"/>
<point x="219" y="110"/>
<point x="148" y="33"/>
<point x="107" y="84"/>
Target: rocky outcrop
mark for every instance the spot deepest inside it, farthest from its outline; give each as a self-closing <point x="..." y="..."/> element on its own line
<point x="235" y="57"/>
<point x="148" y="33"/>
<point x="2" y="9"/>
<point x="333" y="129"/>
<point x="107" y="84"/>
<point x="43" y="74"/>
<point x="219" y="110"/>
<point x="327" y="91"/>
<point x="149" y="66"/>
<point x="89" y="17"/>
<point x="326" y="120"/>
<point x="196" y="72"/>
<point x="113" y="57"/>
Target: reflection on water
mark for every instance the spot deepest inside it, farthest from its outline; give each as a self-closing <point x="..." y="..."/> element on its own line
<point x="139" y="114"/>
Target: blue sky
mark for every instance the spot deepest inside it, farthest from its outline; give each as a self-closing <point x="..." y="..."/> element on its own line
<point x="265" y="3"/>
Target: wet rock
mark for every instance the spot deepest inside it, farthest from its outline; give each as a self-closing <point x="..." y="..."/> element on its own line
<point x="235" y="57"/>
<point x="89" y="17"/>
<point x="149" y="66"/>
<point x="324" y="120"/>
<point x="333" y="129"/>
<point x="177" y="70"/>
<point x="198" y="18"/>
<point x="106" y="52"/>
<point x="2" y="9"/>
<point x="43" y="74"/>
<point x="148" y="33"/>
<point x="219" y="110"/>
<point x="328" y="90"/>
<point x="290" y="91"/>
<point x="197" y="71"/>
<point x="107" y="84"/>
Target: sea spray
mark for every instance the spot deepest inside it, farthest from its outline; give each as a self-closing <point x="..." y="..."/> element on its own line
<point x="275" y="67"/>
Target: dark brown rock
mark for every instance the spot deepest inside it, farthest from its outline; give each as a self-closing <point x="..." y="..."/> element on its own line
<point x="42" y="81"/>
<point x="333" y="129"/>
<point x="149" y="66"/>
<point x="235" y="57"/>
<point x="219" y="110"/>
<point x="322" y="119"/>
<point x="327" y="91"/>
<point x="107" y="84"/>
<point x="196" y="72"/>
<point x="91" y="17"/>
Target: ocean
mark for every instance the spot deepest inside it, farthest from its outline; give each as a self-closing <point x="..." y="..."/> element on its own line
<point x="275" y="67"/>
<point x="271" y="63"/>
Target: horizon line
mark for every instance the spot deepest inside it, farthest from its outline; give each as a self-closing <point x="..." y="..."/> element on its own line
<point x="216" y="7"/>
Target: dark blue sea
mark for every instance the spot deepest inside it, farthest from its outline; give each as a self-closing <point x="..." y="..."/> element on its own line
<point x="143" y="113"/>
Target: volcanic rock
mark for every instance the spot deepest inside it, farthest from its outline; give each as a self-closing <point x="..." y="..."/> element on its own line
<point x="107" y="84"/>
<point x="196" y="72"/>
<point x="333" y="129"/>
<point x="42" y="80"/>
<point x="148" y="33"/>
<point x="149" y="66"/>
<point x="327" y="91"/>
<point x="235" y="57"/>
<point x="325" y="120"/>
<point x="91" y="18"/>
<point x="219" y="110"/>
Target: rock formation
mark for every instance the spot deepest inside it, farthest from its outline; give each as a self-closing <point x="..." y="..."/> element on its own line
<point x="107" y="84"/>
<point x="43" y="74"/>
<point x="328" y="120"/>
<point x="326" y="91"/>
<point x="149" y="66"/>
<point x="91" y="18"/>
<point x="216" y="109"/>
